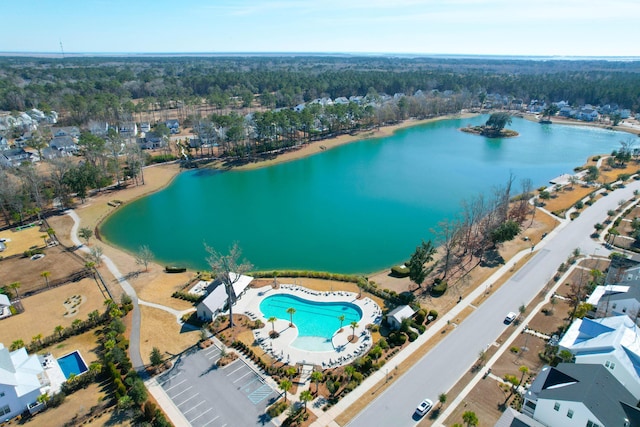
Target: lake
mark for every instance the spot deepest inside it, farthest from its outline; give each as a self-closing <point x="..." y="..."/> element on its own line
<point x="357" y="208"/>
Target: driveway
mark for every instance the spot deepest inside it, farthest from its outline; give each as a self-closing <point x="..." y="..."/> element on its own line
<point x="216" y="397"/>
<point x="443" y="366"/>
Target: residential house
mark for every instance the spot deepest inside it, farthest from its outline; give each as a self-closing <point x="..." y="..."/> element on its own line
<point x="4" y="144"/>
<point x="173" y="125"/>
<point x="128" y="129"/>
<point x="356" y="99"/>
<point x="341" y="100"/>
<point x="512" y="418"/>
<point x="216" y="299"/>
<point x="14" y="157"/>
<point x="620" y="293"/>
<point x="613" y="342"/>
<point x="5" y="303"/>
<point x="49" y="153"/>
<point x="22" y="379"/>
<point x="145" y="127"/>
<point x="151" y="140"/>
<point x="98" y="128"/>
<point x="71" y="131"/>
<point x="398" y="314"/>
<point x="580" y="395"/>
<point x="588" y="114"/>
<point x="65" y="144"/>
<point x="22" y="141"/>
<point x="298" y="108"/>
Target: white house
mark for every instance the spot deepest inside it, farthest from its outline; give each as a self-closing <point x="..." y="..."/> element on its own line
<point x="173" y="125"/>
<point x="398" y="314"/>
<point x="216" y="299"/>
<point x="21" y="379"/>
<point x="5" y="303"/>
<point x="580" y="395"/>
<point x="4" y="144"/>
<point x="65" y="144"/>
<point x="613" y="342"/>
<point x="620" y="295"/>
<point x="128" y="129"/>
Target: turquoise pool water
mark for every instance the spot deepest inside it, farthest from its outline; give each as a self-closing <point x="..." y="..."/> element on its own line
<point x="72" y="363"/>
<point x="316" y="321"/>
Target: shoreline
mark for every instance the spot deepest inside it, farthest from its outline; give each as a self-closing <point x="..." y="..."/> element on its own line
<point x="157" y="177"/>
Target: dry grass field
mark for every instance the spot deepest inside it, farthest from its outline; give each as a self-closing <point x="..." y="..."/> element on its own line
<point x="46" y="310"/>
<point x="20" y="241"/>
<point x="160" y="329"/>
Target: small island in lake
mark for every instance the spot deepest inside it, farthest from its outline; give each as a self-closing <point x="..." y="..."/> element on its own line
<point x="494" y="127"/>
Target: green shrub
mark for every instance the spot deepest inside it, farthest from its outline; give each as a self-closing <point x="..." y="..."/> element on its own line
<point x="169" y="269"/>
<point x="420" y="316"/>
<point x="399" y="271"/>
<point x="277" y="408"/>
<point x="412" y="336"/>
<point x="433" y="314"/>
<point x="439" y="287"/>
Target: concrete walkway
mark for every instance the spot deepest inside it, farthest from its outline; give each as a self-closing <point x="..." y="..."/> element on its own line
<point x="134" y="338"/>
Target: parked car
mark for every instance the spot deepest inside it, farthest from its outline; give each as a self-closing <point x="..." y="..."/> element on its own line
<point x="511" y="316"/>
<point x="424" y="407"/>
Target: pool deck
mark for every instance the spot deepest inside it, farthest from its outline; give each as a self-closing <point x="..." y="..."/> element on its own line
<point x="280" y="348"/>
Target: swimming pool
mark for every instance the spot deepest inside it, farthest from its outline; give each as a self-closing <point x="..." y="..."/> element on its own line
<point x="72" y="363"/>
<point x="316" y="321"/>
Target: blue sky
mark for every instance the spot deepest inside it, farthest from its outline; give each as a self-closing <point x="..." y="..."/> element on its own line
<point x="480" y="27"/>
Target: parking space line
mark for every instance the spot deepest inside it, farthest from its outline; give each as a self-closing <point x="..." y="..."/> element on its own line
<point x="233" y="372"/>
<point x="208" y="410"/>
<point x="164" y="381"/>
<point x="246" y="386"/>
<point x="175" y="385"/>
<point x="185" y="401"/>
<point x="194" y="407"/>
<point x="183" y="391"/>
<point x="205" y="425"/>
<point x="248" y="373"/>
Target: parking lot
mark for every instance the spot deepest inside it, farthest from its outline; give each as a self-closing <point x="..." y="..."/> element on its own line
<point x="215" y="397"/>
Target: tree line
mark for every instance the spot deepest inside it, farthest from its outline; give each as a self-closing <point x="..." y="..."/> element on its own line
<point x="110" y="88"/>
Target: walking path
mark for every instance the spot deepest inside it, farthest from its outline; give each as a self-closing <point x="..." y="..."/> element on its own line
<point x="134" y="338"/>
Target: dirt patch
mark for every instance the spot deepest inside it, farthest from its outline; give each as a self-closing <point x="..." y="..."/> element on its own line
<point x="160" y="329"/>
<point x="46" y="310"/>
<point x="58" y="263"/>
<point x="22" y="240"/>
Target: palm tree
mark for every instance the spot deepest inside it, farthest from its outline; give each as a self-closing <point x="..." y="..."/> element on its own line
<point x="272" y="320"/>
<point x="442" y="399"/>
<point x="354" y="325"/>
<point x="341" y="319"/>
<point x="15" y="286"/>
<point x="45" y="275"/>
<point x="16" y="345"/>
<point x="291" y="311"/>
<point x="316" y="377"/>
<point x="305" y="397"/>
<point x="285" y="385"/>
<point x="524" y="370"/>
<point x="470" y="418"/>
<point x="58" y="330"/>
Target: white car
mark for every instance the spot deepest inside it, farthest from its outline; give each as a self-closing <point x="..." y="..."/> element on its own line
<point x="424" y="407"/>
<point x="511" y="316"/>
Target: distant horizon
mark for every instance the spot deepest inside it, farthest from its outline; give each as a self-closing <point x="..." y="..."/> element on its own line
<point x="151" y="54"/>
<point x="522" y="28"/>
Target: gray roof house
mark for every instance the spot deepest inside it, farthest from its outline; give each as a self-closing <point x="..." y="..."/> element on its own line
<point x="216" y="300"/>
<point x="613" y="342"/>
<point x="398" y="314"/>
<point x="72" y="131"/>
<point x="4" y="144"/>
<point x="64" y="144"/>
<point x="14" y="157"/>
<point x="173" y="125"/>
<point x="620" y="294"/>
<point x="580" y="395"/>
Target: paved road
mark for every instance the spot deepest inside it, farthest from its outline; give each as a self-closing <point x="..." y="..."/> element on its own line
<point x="443" y="366"/>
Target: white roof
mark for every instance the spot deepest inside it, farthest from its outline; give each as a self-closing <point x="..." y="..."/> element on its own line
<point x="19" y="370"/>
<point x="402" y="312"/>
<point x="218" y="297"/>
<point x="600" y="291"/>
<point x="4" y="300"/>
<point x="617" y="335"/>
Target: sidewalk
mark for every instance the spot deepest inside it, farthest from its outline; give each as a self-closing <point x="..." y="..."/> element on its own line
<point x="327" y="418"/>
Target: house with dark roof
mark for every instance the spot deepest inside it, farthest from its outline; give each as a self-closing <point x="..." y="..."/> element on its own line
<point x="173" y="125"/>
<point x="65" y="144"/>
<point x="613" y="342"/>
<point x="580" y="395"/>
<point x="620" y="294"/>
<point x="71" y="131"/>
<point x="14" y="157"/>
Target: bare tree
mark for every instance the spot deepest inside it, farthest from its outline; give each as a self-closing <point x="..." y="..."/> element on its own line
<point x="144" y="256"/>
<point x="449" y="236"/>
<point x="228" y="269"/>
<point x="95" y="255"/>
<point x="60" y="166"/>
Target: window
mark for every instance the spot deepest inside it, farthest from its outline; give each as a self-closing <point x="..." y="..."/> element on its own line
<point x="5" y="410"/>
<point x="614" y="306"/>
<point x="570" y="413"/>
<point x="610" y="365"/>
<point x="556" y="407"/>
<point x="1" y="393"/>
<point x="592" y="424"/>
